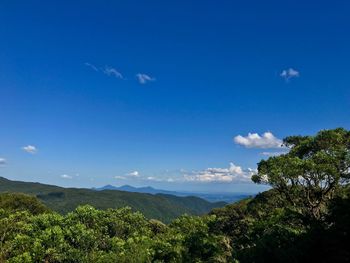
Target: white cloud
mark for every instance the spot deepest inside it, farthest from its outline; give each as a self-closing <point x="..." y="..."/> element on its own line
<point x="144" y="78"/>
<point x="232" y="174"/>
<point x="66" y="176"/>
<point x="93" y="67"/>
<point x="3" y="161"/>
<point x="30" y="149"/>
<point x="112" y="72"/>
<point x="151" y="178"/>
<point x="290" y="73"/>
<point x="133" y="174"/>
<point x="254" y="140"/>
<point x="119" y="177"/>
<point x="272" y="153"/>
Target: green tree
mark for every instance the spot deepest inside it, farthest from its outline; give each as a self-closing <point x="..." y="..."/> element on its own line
<point x="310" y="174"/>
<point x="20" y="202"/>
<point x="200" y="244"/>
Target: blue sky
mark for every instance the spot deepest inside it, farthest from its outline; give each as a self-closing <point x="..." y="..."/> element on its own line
<point x="154" y="92"/>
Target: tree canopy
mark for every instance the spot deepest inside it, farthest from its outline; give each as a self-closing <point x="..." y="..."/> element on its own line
<point x="311" y="172"/>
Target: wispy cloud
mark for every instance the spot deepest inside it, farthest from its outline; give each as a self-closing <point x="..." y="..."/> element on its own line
<point x="66" y="176"/>
<point x="30" y="149"/>
<point x="233" y="173"/>
<point x="3" y="162"/>
<point x="144" y="78"/>
<point x="93" y="67"/>
<point x="254" y="140"/>
<point x="109" y="71"/>
<point x="290" y="73"/>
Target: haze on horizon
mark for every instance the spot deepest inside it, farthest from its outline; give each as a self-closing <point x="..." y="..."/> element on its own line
<point x="176" y="95"/>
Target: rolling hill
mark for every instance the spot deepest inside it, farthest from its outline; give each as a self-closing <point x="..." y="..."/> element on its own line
<point x="163" y="207"/>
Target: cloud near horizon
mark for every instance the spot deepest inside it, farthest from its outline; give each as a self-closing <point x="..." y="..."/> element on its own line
<point x="133" y="174"/>
<point x="152" y="178"/>
<point x="231" y="174"/>
<point x="66" y="176"/>
<point x="3" y="162"/>
<point x="254" y="140"/>
<point x="30" y="149"/>
<point x="119" y="177"/>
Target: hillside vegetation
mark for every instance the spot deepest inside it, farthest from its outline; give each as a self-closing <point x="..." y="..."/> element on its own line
<point x="305" y="217"/>
<point x="160" y="206"/>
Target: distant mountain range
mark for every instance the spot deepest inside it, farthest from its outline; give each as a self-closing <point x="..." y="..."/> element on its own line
<point x="211" y="197"/>
<point x="129" y="188"/>
<point x="162" y="206"/>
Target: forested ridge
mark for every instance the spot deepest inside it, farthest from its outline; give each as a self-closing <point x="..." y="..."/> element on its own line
<point x="303" y="218"/>
<point x="63" y="200"/>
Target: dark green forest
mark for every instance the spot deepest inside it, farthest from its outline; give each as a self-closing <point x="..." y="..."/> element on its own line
<point x="303" y="218"/>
